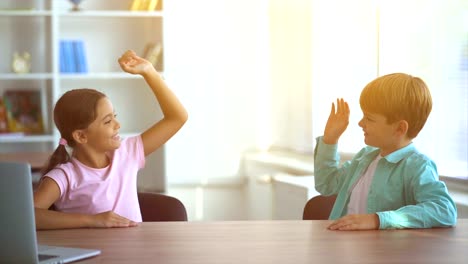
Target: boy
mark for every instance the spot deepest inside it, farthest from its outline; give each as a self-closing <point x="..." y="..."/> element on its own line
<point x="388" y="184"/>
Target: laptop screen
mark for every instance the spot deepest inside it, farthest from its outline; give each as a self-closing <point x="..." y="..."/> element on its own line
<point x="18" y="229"/>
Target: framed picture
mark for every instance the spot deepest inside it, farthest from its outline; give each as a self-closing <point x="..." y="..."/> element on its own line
<point x="24" y="112"/>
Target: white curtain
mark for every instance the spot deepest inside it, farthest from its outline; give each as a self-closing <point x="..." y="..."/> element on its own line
<point x="263" y="73"/>
<point x="344" y="60"/>
<point x="348" y="44"/>
<point x="290" y="42"/>
<point x="320" y="50"/>
<point x="214" y="60"/>
<point x="429" y="39"/>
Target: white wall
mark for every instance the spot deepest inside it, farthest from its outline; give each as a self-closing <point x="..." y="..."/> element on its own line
<point x="247" y="71"/>
<point x="213" y="63"/>
<point x="244" y="71"/>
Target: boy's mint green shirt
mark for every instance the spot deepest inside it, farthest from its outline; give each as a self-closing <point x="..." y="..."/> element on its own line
<point x="405" y="191"/>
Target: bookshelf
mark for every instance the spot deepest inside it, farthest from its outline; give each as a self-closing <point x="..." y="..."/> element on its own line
<point x="107" y="28"/>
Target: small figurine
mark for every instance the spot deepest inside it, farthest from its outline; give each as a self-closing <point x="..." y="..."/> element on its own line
<point x="76" y="5"/>
<point x="21" y="63"/>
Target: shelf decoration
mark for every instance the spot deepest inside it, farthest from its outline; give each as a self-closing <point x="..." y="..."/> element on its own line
<point x="24" y="111"/>
<point x="76" y="5"/>
<point x="144" y="5"/>
<point x="152" y="52"/>
<point x="72" y="56"/>
<point x="21" y="63"/>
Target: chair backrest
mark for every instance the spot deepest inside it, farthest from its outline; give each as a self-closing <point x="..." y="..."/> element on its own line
<point x="156" y="207"/>
<point x="318" y="207"/>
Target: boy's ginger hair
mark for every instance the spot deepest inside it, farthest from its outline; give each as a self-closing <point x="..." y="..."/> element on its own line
<point x="398" y="96"/>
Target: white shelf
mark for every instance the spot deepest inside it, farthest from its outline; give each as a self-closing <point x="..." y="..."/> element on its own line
<point x="112" y="14"/>
<point x="25" y="13"/>
<point x="103" y="75"/>
<point x="69" y="76"/>
<point x="12" y="138"/>
<point x="82" y="13"/>
<point x="105" y="27"/>
<point x="25" y="138"/>
<point x="25" y="76"/>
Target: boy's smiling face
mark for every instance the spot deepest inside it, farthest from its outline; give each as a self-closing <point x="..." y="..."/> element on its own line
<point x="378" y="133"/>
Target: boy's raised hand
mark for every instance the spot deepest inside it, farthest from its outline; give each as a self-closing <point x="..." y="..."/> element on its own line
<point x="131" y="63"/>
<point x="337" y="122"/>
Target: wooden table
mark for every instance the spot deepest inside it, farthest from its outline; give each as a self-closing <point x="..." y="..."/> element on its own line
<point x="264" y="242"/>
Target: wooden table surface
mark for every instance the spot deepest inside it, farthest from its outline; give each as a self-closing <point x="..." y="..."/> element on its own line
<point x="264" y="242"/>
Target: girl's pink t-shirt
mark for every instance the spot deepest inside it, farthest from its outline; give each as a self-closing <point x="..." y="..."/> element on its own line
<point x="114" y="188"/>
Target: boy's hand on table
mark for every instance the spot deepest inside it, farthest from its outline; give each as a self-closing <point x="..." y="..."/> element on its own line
<point x="356" y="222"/>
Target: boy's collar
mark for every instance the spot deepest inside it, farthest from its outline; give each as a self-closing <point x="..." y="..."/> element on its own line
<point x="400" y="154"/>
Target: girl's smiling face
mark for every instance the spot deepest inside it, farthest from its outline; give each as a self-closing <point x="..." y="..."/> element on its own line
<point x="103" y="133"/>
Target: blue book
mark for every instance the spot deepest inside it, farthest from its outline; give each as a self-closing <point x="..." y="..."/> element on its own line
<point x="69" y="57"/>
<point x="80" y="56"/>
<point x="62" y="65"/>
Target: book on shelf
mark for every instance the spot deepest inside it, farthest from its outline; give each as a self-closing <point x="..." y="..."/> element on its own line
<point x="144" y="5"/>
<point x="3" y="117"/>
<point x="152" y="52"/>
<point x="62" y="52"/>
<point x="72" y="56"/>
<point x="24" y="111"/>
<point x="80" y="56"/>
<point x="67" y="56"/>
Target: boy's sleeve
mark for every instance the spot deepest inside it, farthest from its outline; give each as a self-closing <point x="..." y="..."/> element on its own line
<point x="326" y="168"/>
<point x="434" y="207"/>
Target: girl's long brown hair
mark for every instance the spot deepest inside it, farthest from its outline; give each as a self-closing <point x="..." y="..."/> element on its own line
<point x="76" y="109"/>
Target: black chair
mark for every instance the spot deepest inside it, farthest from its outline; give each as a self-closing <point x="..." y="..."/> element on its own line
<point x="156" y="207"/>
<point x="318" y="207"/>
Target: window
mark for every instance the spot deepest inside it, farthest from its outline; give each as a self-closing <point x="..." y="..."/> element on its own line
<point x="353" y="42"/>
<point x="430" y="40"/>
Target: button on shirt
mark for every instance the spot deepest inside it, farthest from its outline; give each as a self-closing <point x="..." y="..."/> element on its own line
<point x="405" y="191"/>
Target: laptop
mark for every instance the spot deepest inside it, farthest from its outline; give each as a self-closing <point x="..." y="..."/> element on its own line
<point x="18" y="242"/>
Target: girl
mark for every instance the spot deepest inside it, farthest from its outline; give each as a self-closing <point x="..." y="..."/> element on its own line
<point x="96" y="185"/>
